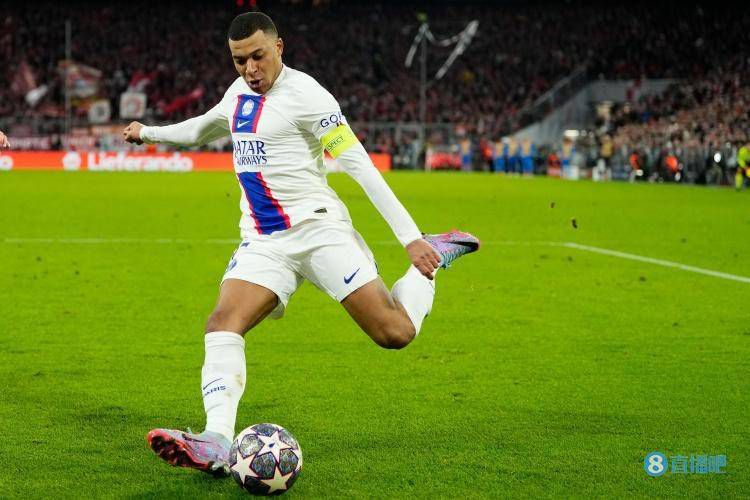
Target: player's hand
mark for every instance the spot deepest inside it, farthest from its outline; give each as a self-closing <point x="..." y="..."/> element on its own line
<point x="423" y="257"/>
<point x="4" y="143"/>
<point x="132" y="133"/>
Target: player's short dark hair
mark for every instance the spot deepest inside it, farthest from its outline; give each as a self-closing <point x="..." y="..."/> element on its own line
<point x="245" y="25"/>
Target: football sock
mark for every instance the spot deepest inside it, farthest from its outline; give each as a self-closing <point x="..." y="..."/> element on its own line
<point x="415" y="293"/>
<point x="223" y="381"/>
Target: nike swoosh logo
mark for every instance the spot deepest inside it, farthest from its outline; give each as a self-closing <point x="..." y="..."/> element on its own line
<point x="241" y="123"/>
<point x="204" y="387"/>
<point x="350" y="278"/>
<point x="190" y="438"/>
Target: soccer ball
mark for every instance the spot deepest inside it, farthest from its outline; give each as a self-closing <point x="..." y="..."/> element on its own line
<point x="265" y="459"/>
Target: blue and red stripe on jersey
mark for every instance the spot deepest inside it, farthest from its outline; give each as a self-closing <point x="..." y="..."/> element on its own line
<point x="247" y="113"/>
<point x="266" y="211"/>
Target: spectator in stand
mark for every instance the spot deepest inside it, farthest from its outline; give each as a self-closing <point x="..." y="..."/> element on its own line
<point x="519" y="53"/>
<point x="485" y="149"/>
<point x="672" y="167"/>
<point x="607" y="150"/>
<point x="696" y="121"/>
<point x="528" y="152"/>
<point x="465" y="150"/>
<point x="636" y="165"/>
<point x="567" y="154"/>
<point x="506" y="154"/>
<point x="554" y="167"/>
<point x="498" y="161"/>
<point x="514" y="156"/>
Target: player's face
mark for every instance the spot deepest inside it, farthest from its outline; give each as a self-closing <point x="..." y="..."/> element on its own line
<point x="257" y="59"/>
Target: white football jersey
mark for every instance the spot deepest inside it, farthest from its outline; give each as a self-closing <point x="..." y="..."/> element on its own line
<point x="278" y="155"/>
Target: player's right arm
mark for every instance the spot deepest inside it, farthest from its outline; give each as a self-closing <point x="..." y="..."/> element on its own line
<point x="4" y="143"/>
<point x="193" y="132"/>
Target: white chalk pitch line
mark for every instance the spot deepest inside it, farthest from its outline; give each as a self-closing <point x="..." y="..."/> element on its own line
<point x="565" y="244"/>
<point x="107" y="241"/>
<point x="658" y="262"/>
<point x="612" y="253"/>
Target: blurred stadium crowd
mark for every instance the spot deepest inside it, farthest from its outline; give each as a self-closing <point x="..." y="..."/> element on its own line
<point x="694" y="130"/>
<point x="175" y="52"/>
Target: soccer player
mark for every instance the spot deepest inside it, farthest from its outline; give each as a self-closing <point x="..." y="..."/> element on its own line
<point x="743" y="166"/>
<point x="4" y="144"/>
<point x="293" y="226"/>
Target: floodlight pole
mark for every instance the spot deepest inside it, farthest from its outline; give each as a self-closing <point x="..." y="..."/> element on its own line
<point x="423" y="93"/>
<point x="68" y="58"/>
<point x="462" y="40"/>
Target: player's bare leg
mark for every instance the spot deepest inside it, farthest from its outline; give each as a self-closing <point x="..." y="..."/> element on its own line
<point x="383" y="319"/>
<point x="393" y="319"/>
<point x="240" y="307"/>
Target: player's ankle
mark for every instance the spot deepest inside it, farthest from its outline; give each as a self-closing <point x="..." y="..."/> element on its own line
<point x="222" y="438"/>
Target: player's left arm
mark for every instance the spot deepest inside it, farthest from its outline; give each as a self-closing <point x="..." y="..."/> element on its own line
<point x="343" y="145"/>
<point x="324" y="120"/>
<point x="4" y="143"/>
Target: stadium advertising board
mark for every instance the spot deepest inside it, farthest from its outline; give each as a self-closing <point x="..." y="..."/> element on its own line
<point x="136" y="161"/>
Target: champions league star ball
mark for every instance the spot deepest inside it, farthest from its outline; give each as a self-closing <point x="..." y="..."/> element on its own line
<point x="265" y="459"/>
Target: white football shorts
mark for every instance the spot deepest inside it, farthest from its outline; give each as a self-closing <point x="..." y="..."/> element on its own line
<point x="329" y="253"/>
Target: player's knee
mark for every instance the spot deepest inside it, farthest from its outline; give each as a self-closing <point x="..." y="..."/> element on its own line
<point x="214" y="322"/>
<point x="222" y="320"/>
<point x="395" y="336"/>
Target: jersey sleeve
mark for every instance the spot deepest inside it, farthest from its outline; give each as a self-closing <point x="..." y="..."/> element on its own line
<point x="357" y="163"/>
<point x="322" y="117"/>
<point x="320" y="113"/>
<point x="196" y="131"/>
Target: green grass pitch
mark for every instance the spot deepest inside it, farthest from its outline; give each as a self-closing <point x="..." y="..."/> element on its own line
<point x="543" y="371"/>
